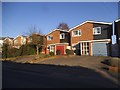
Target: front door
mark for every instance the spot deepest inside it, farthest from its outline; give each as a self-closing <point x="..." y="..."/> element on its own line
<point x="85" y="48"/>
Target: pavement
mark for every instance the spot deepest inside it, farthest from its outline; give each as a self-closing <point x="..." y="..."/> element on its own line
<point x="19" y="75"/>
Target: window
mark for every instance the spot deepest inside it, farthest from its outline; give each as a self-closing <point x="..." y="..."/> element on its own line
<point x="76" y="33"/>
<point x="97" y="30"/>
<point x="62" y="36"/>
<point x="49" y="38"/>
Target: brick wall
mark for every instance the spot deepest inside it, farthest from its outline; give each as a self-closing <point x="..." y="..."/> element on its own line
<point x="17" y="41"/>
<point x="86" y="33"/>
<point x="56" y="37"/>
<point x="8" y="41"/>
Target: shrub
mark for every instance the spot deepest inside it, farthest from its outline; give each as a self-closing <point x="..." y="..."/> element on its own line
<point x="4" y="51"/>
<point x="46" y="55"/>
<point x="69" y="52"/>
<point x="111" y="62"/>
<point x="27" y="50"/>
<point x="13" y="52"/>
<point x="58" y="52"/>
<point x="51" y="53"/>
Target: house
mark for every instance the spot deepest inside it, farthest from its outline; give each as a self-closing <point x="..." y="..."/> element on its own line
<point x="19" y="41"/>
<point x="57" y="40"/>
<point x="117" y="33"/>
<point x="91" y="38"/>
<point x="8" y="41"/>
<point x="1" y="43"/>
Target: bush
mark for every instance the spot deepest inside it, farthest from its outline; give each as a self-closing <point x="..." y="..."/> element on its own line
<point x="4" y="50"/>
<point x="51" y="53"/>
<point x="8" y="51"/>
<point x="27" y="50"/>
<point x="13" y="52"/>
<point x="69" y="52"/>
<point x="111" y="62"/>
<point x="46" y="56"/>
<point x="58" y="52"/>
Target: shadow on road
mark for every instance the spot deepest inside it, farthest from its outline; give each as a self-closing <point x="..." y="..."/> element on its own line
<point x="17" y="75"/>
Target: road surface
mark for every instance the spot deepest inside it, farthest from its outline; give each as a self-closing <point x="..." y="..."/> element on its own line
<point x="51" y="76"/>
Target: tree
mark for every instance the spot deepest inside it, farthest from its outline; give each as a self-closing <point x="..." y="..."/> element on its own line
<point x="4" y="50"/>
<point x="36" y="38"/>
<point x="63" y="26"/>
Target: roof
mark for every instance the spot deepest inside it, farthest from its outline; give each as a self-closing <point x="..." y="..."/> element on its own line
<point x="38" y="34"/>
<point x="108" y="23"/>
<point x="57" y="30"/>
<point x="2" y="38"/>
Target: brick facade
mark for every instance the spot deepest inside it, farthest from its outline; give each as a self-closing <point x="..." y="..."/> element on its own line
<point x="19" y="41"/>
<point x="86" y="33"/>
<point x="55" y="34"/>
<point x="8" y="41"/>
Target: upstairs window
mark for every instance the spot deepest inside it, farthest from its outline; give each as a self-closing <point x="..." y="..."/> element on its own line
<point x="49" y="38"/>
<point x="76" y="33"/>
<point x="97" y="30"/>
<point x="62" y="36"/>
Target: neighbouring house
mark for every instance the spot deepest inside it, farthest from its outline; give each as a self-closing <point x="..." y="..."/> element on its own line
<point x="1" y="43"/>
<point x="8" y="41"/>
<point x="57" y="40"/>
<point x="91" y="38"/>
<point x="19" y="41"/>
<point x="117" y="33"/>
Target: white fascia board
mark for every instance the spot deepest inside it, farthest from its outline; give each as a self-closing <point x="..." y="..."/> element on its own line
<point x="117" y="20"/>
<point x="101" y="40"/>
<point x="56" y="44"/>
<point x="90" y="22"/>
<point x="56" y="30"/>
<point x="17" y="37"/>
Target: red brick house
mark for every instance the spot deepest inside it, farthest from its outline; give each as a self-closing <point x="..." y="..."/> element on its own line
<point x="91" y="38"/>
<point x="57" y="40"/>
<point x="8" y="41"/>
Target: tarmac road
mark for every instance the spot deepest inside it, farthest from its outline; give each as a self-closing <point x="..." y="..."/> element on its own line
<point x="50" y="76"/>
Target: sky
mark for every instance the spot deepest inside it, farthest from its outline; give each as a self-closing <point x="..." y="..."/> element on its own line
<point x="19" y="17"/>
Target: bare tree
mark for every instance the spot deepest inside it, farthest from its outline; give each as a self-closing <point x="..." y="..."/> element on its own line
<point x="36" y="38"/>
<point x="63" y="26"/>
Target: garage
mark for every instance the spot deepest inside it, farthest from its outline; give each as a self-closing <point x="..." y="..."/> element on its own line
<point x="61" y="48"/>
<point x="100" y="49"/>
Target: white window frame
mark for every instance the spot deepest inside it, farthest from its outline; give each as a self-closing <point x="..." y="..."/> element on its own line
<point x="63" y="36"/>
<point x="95" y="31"/>
<point x="78" y="31"/>
<point x="50" y="37"/>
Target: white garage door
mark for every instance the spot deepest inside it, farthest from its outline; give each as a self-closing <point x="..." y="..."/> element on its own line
<point x="99" y="49"/>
